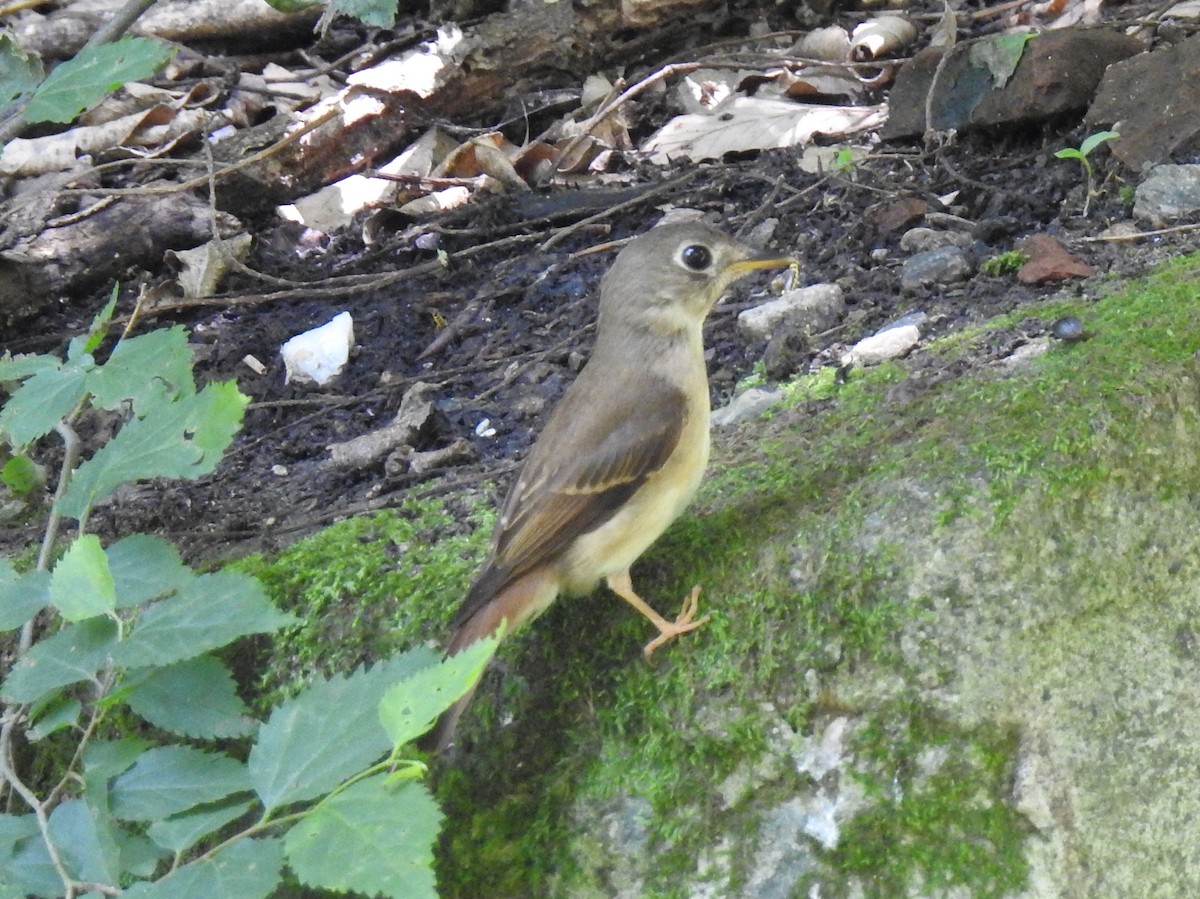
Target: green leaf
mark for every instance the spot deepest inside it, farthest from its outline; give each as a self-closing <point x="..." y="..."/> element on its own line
<point x="76" y="653"/>
<point x="92" y="74"/>
<point x="196" y="698"/>
<point x="1000" y="55"/>
<point x="21" y="366"/>
<point x="1092" y="141"/>
<point x="181" y="832"/>
<point x="411" y="707"/>
<point x="23" y="476"/>
<point x="249" y="869"/>
<point x="173" y="779"/>
<point x="144" y="568"/>
<point x="143" y="369"/>
<point x="99" y="326"/>
<point x="183" y="438"/>
<point x="21" y="595"/>
<point x="377" y="13"/>
<point x="210" y="611"/>
<point x="140" y="856"/>
<point x="104" y="760"/>
<point x="1069" y="153"/>
<point x="373" y="837"/>
<point x="86" y="842"/>
<point x="39" y="404"/>
<point x="327" y="733"/>
<point x="81" y="585"/>
<point x="19" y="72"/>
<point x="60" y="714"/>
<point x="25" y="865"/>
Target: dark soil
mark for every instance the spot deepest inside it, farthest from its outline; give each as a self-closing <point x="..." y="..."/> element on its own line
<point x="520" y="318"/>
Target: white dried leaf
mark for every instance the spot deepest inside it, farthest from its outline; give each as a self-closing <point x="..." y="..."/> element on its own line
<point x="750" y="123"/>
<point x="882" y="36"/>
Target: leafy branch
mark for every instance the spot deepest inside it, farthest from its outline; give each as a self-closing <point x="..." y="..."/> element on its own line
<point x="128" y="763"/>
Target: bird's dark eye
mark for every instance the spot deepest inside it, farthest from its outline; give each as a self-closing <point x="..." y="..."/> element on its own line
<point x="697" y="257"/>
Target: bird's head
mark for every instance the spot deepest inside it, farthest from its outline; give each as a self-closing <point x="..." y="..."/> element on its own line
<point x="669" y="278"/>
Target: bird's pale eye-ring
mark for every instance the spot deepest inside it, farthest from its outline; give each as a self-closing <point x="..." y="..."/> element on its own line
<point x="696" y="256"/>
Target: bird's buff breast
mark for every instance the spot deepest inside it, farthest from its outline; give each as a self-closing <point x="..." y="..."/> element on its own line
<point x="616" y="544"/>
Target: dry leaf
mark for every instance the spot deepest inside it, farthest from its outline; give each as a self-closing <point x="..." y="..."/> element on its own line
<point x="882" y="36"/>
<point x="830" y="44"/>
<point x="749" y="123"/>
<point x="335" y="205"/>
<point x="200" y="270"/>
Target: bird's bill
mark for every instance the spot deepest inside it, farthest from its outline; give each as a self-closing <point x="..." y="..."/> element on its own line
<point x="744" y="267"/>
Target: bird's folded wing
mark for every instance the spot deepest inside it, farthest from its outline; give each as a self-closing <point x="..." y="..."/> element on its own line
<point x="584" y="467"/>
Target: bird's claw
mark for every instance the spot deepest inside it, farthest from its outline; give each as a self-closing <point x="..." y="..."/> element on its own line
<point x="683" y="623"/>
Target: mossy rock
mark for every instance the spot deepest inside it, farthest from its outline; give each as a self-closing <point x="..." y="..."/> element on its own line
<point x="953" y="649"/>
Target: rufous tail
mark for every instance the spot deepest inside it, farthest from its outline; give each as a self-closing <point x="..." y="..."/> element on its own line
<point x="514" y="605"/>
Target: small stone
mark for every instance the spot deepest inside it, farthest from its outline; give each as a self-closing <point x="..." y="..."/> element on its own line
<point x="808" y="309"/>
<point x="1069" y="329"/>
<point x="319" y="355"/>
<point x="992" y="230"/>
<point x="912" y="318"/>
<point x="946" y="265"/>
<point x="1169" y="193"/>
<point x="889" y="344"/>
<point x="750" y="404"/>
<point x="922" y="240"/>
<point x="1049" y="260"/>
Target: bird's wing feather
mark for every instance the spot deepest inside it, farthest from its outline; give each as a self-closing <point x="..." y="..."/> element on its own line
<point x="556" y="499"/>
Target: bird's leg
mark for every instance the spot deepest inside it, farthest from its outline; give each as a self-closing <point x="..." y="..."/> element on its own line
<point x="621" y="584"/>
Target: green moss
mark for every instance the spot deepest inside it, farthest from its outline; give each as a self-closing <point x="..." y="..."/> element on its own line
<point x="367" y="587"/>
<point x="785" y="541"/>
<point x="940" y="814"/>
<point x="1004" y="263"/>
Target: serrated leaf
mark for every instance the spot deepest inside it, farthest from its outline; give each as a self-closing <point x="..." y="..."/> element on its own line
<point x="76" y="653"/>
<point x="93" y="73"/>
<point x="183" y="438"/>
<point x="373" y="837"/>
<point x="41" y="402"/>
<point x="21" y="595"/>
<point x="329" y="732"/>
<point x="142" y="369"/>
<point x="145" y="567"/>
<point x="196" y="698"/>
<point x="209" y="612"/>
<point x="19" y="72"/>
<point x="248" y="869"/>
<point x="104" y="760"/>
<point x="173" y="779"/>
<point x="411" y="707"/>
<point x="81" y="585"/>
<point x="377" y="13"/>
<point x="86" y="842"/>
<point x="22" y="365"/>
<point x="181" y="832"/>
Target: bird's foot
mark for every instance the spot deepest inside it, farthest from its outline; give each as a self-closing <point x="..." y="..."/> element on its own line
<point x="684" y="622"/>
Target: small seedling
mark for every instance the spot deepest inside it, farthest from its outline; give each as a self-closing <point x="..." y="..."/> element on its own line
<point x="1090" y="143"/>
